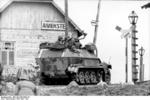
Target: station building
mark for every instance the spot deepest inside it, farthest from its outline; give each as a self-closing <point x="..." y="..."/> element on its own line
<point x="24" y="24"/>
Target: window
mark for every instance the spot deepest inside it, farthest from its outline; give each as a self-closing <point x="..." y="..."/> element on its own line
<point x="91" y="62"/>
<point x="7" y="53"/>
<point x="76" y="61"/>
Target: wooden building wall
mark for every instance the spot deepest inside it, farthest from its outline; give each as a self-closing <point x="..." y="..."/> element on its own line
<point x="20" y="23"/>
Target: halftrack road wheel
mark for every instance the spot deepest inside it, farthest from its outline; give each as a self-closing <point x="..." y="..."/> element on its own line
<point x="87" y="77"/>
<point x="93" y="77"/>
<point x="81" y="77"/>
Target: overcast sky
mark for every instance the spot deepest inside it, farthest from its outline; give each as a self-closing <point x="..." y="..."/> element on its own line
<point x="109" y="42"/>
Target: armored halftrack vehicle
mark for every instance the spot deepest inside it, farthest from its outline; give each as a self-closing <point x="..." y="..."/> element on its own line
<point x="66" y="61"/>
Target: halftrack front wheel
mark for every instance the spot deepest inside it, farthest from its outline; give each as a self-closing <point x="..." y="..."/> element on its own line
<point x="99" y="76"/>
<point x="108" y="78"/>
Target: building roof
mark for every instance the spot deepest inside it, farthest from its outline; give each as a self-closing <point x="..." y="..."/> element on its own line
<point x="5" y="3"/>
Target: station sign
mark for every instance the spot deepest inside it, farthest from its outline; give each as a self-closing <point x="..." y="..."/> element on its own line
<point x="58" y="26"/>
<point x="125" y="33"/>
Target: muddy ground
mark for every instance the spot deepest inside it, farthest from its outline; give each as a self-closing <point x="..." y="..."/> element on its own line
<point x="95" y="90"/>
<point x="106" y="90"/>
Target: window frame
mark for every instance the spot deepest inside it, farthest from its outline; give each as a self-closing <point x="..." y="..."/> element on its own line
<point x="10" y="48"/>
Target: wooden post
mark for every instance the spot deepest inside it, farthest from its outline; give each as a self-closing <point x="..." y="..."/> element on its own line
<point x="96" y="23"/>
<point x="66" y="18"/>
<point x="126" y="69"/>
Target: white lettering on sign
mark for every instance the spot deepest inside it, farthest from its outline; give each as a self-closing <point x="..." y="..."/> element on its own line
<point x="53" y="26"/>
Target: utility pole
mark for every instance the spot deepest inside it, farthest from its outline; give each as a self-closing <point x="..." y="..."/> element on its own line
<point x="96" y="23"/>
<point x="66" y="18"/>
